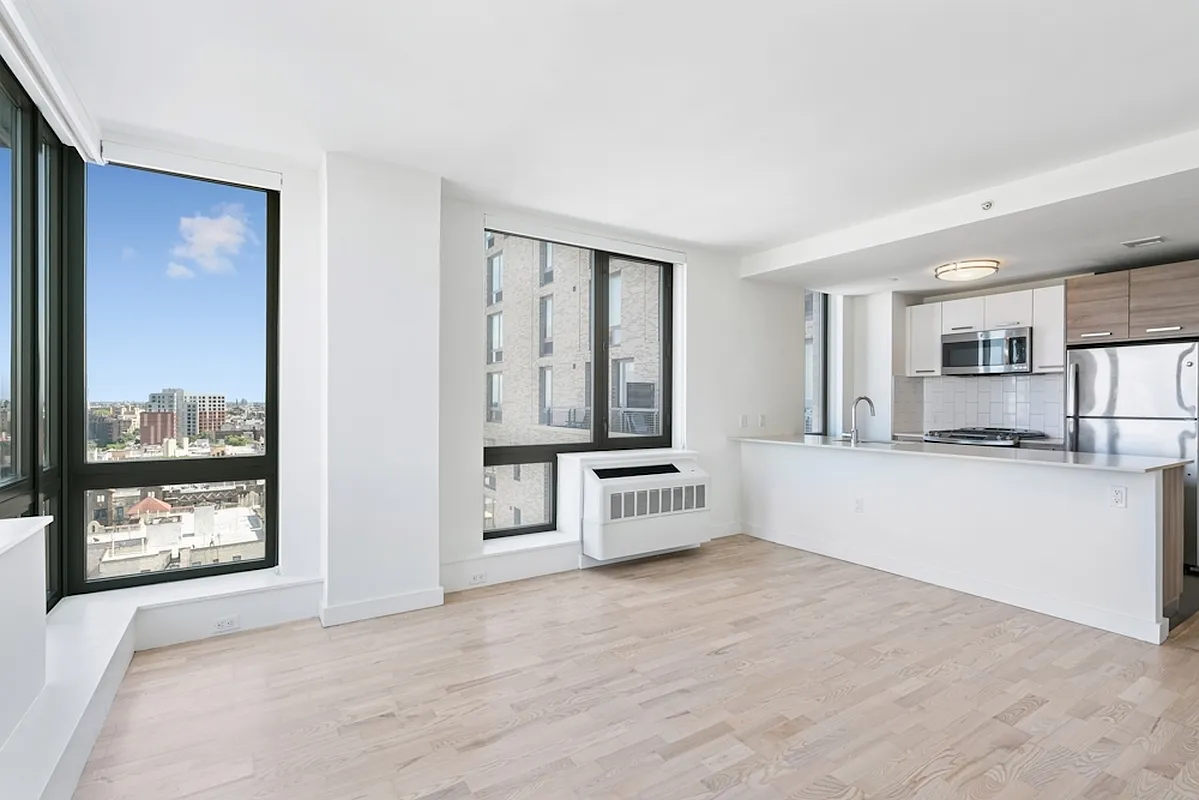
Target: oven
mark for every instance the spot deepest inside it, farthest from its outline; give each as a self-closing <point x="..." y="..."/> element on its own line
<point x="987" y="352"/>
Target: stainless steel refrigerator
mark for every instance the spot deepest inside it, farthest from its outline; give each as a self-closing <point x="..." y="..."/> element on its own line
<point x="1138" y="400"/>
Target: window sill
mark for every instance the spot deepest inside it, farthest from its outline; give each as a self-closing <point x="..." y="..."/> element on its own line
<point x="532" y="541"/>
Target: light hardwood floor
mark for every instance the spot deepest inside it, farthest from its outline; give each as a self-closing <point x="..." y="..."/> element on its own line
<point x="743" y="670"/>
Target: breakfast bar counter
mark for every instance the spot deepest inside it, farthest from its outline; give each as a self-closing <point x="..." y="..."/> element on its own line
<point x="1091" y="538"/>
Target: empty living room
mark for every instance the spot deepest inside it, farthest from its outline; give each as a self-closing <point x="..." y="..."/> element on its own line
<point x="552" y="400"/>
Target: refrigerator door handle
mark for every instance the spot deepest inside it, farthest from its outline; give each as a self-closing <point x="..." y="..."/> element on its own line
<point x="1072" y="399"/>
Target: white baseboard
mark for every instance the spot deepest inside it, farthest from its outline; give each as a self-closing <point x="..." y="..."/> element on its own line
<point x="1152" y="631"/>
<point x="178" y="621"/>
<point x="514" y="565"/>
<point x="729" y="528"/>
<point x="380" y="607"/>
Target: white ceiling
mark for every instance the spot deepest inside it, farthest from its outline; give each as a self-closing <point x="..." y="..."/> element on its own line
<point x="1064" y="238"/>
<point x="742" y="124"/>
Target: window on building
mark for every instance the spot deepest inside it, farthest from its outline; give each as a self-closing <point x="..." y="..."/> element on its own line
<point x="547" y="326"/>
<point x="614" y="307"/>
<point x="560" y="400"/>
<point x="489" y="240"/>
<point x="495" y="278"/>
<point x="547" y="263"/>
<point x="495" y="396"/>
<point x="489" y="477"/>
<point x="815" y="415"/>
<point x="495" y="338"/>
<point x="517" y="521"/>
<point x="488" y="513"/>
<point x="179" y="463"/>
<point x="545" y="390"/>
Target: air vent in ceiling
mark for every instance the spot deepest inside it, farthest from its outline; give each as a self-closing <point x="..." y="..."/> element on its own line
<point x="1148" y="241"/>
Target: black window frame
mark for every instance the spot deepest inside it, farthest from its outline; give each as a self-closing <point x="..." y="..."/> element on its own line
<point x="82" y="476"/>
<point x="599" y="353"/>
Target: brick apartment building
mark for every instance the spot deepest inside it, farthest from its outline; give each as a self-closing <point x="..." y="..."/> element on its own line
<point x="194" y="413"/>
<point x="537" y="362"/>
<point x="157" y="426"/>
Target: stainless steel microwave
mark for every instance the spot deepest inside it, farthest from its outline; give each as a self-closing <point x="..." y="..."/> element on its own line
<point x="987" y="352"/>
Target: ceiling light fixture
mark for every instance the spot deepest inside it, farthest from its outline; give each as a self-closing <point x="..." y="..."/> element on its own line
<point x="970" y="270"/>
<point x="1146" y="242"/>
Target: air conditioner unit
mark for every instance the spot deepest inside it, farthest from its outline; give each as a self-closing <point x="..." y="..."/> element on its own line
<point x="643" y="509"/>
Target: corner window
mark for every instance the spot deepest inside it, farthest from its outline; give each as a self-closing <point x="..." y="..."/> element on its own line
<point x="176" y="464"/>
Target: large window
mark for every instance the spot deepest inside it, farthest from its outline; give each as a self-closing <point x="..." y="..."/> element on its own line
<point x="815" y="416"/>
<point x="556" y="326"/>
<point x="172" y="380"/>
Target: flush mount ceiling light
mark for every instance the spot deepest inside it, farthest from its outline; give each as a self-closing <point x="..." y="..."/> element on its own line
<point x="970" y="270"/>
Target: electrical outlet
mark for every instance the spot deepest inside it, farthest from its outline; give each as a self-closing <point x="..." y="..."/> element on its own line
<point x="226" y="624"/>
<point x="1117" y="496"/>
<point x="745" y="420"/>
<point x="761" y="420"/>
<point x="859" y="505"/>
<point x="478" y="579"/>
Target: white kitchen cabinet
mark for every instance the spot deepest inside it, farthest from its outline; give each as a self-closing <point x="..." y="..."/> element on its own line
<point x="1008" y="310"/>
<point x="963" y="316"/>
<point x="924" y="340"/>
<point x="1049" y="329"/>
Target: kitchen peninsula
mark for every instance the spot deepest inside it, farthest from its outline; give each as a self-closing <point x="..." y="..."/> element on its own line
<point x="1087" y="537"/>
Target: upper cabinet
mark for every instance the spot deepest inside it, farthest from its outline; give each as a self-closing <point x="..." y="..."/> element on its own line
<point x="1049" y="329"/>
<point x="1008" y="310"/>
<point x="924" y="340"/>
<point x="963" y="316"/>
<point x="1164" y="301"/>
<point x="1097" y="308"/>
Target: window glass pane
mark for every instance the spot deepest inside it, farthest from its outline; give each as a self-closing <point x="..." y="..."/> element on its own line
<point x="162" y="528"/>
<point x="546" y="332"/>
<point x="47" y="197"/>
<point x="10" y="466"/>
<point x="815" y="353"/>
<point x="176" y="317"/>
<point x="521" y="495"/>
<point x="635" y="326"/>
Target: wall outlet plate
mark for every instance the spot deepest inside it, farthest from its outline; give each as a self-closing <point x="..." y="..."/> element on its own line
<point x="859" y="505"/>
<point x="761" y="420"/>
<point x="745" y="420"/>
<point x="478" y="579"/>
<point x="226" y="624"/>
<point x="1118" y="496"/>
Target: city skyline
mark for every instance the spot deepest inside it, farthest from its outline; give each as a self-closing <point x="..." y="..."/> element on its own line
<point x="176" y="286"/>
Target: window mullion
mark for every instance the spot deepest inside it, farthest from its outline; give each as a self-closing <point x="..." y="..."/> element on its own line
<point x="599" y="351"/>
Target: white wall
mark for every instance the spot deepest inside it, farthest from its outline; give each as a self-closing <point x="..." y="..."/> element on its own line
<point x="382" y="257"/>
<point x="22" y="618"/>
<point x="873" y="330"/>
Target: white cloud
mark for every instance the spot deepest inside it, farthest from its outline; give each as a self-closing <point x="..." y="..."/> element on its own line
<point x="209" y="241"/>
<point x="128" y="253"/>
<point x="179" y="272"/>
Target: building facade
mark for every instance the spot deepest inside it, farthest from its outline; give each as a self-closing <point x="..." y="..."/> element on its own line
<point x="157" y="426"/>
<point x="194" y="413"/>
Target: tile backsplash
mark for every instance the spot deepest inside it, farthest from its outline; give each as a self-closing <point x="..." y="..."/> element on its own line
<point x="907" y="409"/>
<point x="1007" y="401"/>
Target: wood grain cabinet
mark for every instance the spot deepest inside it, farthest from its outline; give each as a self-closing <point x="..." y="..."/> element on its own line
<point x="1097" y="308"/>
<point x="1164" y="301"/>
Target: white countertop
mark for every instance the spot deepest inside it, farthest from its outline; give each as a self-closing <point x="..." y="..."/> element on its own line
<point x="1048" y="458"/>
<point x="18" y="529"/>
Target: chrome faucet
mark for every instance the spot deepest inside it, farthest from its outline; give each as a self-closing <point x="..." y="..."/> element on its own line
<point x="853" y="417"/>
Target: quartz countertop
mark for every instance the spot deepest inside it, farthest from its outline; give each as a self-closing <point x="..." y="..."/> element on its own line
<point x="1046" y="458"/>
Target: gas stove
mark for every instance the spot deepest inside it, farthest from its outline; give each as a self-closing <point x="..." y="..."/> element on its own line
<point x="991" y="437"/>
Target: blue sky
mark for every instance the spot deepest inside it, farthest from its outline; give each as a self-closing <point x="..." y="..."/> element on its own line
<point x="176" y="286"/>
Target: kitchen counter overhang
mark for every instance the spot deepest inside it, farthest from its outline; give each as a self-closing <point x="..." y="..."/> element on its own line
<point x="1032" y="528"/>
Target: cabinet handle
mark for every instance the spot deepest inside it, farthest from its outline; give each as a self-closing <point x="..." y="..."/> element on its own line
<point x="924" y="370"/>
<point x="1164" y="330"/>
<point x="1051" y="366"/>
<point x="963" y="328"/>
<point x="1094" y="335"/>
<point x="1015" y="324"/>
